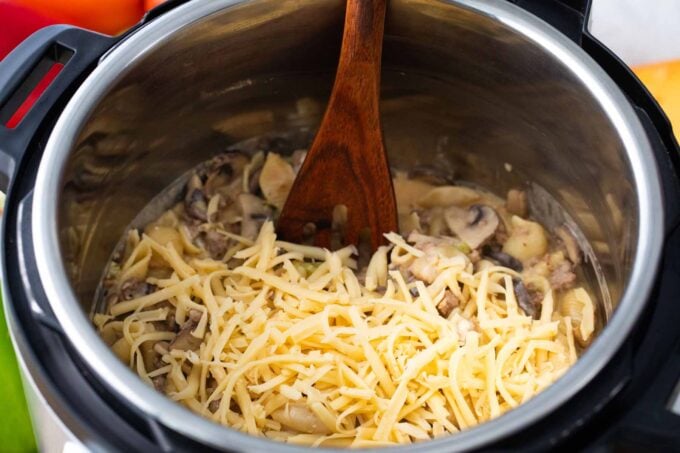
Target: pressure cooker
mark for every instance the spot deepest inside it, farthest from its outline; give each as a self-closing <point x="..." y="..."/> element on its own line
<point x="497" y="92"/>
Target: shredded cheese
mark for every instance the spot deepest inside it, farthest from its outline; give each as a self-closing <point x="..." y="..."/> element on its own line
<point x="318" y="357"/>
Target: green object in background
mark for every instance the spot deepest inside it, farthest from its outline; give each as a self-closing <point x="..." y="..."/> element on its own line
<point x="16" y="431"/>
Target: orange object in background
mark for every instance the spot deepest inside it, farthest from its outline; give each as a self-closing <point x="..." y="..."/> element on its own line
<point x="149" y="4"/>
<point x="105" y="16"/>
<point x="663" y="81"/>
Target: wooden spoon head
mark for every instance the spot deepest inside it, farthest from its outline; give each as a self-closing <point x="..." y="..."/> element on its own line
<point x="337" y="178"/>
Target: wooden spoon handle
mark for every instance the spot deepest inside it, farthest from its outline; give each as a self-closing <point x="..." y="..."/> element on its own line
<point x="361" y="51"/>
<point x="346" y="164"/>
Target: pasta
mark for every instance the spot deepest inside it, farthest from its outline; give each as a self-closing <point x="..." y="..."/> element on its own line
<point x="314" y="347"/>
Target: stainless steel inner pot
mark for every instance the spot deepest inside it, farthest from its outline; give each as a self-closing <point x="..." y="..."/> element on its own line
<point x="479" y="87"/>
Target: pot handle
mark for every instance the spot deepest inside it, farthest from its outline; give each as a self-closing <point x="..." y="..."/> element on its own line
<point x="36" y="76"/>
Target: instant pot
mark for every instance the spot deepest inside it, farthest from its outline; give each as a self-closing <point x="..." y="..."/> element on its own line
<point x="501" y="93"/>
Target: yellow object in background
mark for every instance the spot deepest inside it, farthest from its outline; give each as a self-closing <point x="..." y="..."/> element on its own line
<point x="663" y="81"/>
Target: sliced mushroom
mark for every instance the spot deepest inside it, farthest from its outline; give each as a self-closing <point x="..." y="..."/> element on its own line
<point x="195" y="202"/>
<point x="253" y="213"/>
<point x="474" y="225"/>
<point x="445" y="247"/>
<point x="232" y="162"/>
<point x="570" y="244"/>
<point x="527" y="240"/>
<point x="299" y="417"/>
<point x="276" y="179"/>
<point x="228" y="214"/>
<point x="222" y="169"/>
<point x="449" y="196"/>
<point x="433" y="222"/>
<point x="503" y="258"/>
<point x="516" y="202"/>
<point x="447" y="304"/>
<point x="524" y="299"/>
<point x="252" y="172"/>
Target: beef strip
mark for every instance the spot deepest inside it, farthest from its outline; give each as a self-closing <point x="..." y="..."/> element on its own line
<point x="133" y="288"/>
<point x="447" y="304"/>
<point x="562" y="276"/>
<point x="185" y="341"/>
<point x="216" y="244"/>
<point x="159" y="383"/>
<point x="214" y="405"/>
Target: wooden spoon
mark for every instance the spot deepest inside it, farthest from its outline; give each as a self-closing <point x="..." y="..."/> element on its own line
<point x="347" y="164"/>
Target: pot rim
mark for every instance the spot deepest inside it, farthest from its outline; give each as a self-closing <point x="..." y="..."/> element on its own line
<point x="128" y="386"/>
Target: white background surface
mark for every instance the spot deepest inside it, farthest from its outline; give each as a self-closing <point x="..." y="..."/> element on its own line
<point x="638" y="31"/>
